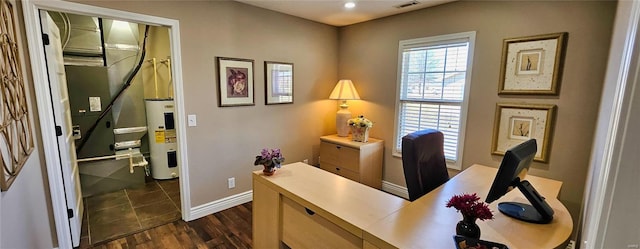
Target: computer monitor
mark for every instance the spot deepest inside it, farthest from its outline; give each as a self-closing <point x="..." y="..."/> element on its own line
<point x="513" y="169"/>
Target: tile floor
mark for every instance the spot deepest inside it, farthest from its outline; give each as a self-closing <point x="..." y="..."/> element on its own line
<point x="115" y="214"/>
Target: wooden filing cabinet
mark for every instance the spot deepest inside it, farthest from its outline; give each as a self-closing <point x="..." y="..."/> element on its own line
<point x="361" y="162"/>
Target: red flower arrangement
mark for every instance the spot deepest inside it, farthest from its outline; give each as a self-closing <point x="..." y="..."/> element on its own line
<point x="470" y="206"/>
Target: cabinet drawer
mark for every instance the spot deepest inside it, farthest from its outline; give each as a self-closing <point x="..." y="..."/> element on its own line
<point x="341" y="171"/>
<point x="301" y="228"/>
<point x="340" y="155"/>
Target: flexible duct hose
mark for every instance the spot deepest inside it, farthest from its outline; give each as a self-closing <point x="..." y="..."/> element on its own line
<point x="113" y="100"/>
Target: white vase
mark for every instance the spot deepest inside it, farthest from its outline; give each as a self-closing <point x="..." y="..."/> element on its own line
<point x="360" y="134"/>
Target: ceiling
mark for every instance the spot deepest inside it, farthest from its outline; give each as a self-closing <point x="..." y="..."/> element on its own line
<point x="334" y="13"/>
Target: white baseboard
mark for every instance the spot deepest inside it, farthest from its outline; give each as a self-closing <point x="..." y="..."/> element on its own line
<point x="395" y="189"/>
<point x="219" y="205"/>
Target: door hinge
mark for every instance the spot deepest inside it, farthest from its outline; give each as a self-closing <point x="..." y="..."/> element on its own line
<point x="58" y="130"/>
<point x="70" y="213"/>
<point x="45" y="39"/>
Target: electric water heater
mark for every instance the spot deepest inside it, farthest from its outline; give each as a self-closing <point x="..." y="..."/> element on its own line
<point x="163" y="144"/>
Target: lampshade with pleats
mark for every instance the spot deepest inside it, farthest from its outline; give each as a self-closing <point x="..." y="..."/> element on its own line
<point x="344" y="91"/>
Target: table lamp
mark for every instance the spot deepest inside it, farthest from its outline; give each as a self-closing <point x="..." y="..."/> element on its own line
<point x="344" y="91"/>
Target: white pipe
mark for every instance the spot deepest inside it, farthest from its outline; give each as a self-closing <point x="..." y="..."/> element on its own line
<point x="130" y="154"/>
<point x="142" y="163"/>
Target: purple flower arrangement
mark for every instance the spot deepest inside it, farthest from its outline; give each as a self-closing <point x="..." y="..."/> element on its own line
<point x="269" y="158"/>
<point x="470" y="206"/>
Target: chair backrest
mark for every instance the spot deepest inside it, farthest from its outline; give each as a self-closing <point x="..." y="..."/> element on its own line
<point x="423" y="162"/>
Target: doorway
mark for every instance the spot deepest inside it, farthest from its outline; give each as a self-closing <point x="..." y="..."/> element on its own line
<point x="63" y="211"/>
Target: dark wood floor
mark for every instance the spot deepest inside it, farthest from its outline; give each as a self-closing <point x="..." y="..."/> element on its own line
<point x="229" y="228"/>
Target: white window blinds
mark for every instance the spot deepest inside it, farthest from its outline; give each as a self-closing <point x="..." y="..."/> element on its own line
<point x="433" y="78"/>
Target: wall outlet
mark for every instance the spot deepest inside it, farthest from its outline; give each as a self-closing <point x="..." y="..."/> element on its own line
<point x="572" y="244"/>
<point x="232" y="182"/>
<point x="305" y="161"/>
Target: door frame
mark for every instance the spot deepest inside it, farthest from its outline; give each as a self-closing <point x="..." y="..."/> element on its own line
<point x="44" y="99"/>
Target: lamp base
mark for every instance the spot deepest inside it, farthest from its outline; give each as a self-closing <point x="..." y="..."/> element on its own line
<point x="342" y="117"/>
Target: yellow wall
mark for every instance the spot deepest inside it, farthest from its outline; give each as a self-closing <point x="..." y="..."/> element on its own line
<point x="158" y="47"/>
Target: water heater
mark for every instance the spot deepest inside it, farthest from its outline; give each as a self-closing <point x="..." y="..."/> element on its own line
<point x="163" y="144"/>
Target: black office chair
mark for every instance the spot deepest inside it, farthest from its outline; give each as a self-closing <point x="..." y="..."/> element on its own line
<point x="423" y="161"/>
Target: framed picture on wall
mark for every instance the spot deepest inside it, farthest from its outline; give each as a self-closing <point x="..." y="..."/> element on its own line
<point x="278" y="87"/>
<point x="532" y="65"/>
<point x="516" y="123"/>
<point x="235" y="82"/>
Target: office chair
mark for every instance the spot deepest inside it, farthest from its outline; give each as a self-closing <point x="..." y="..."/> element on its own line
<point x="423" y="162"/>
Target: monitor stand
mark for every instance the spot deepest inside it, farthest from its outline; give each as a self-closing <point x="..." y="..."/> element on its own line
<point x="540" y="212"/>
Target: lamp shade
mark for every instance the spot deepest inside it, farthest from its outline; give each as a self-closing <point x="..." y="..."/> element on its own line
<point x="344" y="90"/>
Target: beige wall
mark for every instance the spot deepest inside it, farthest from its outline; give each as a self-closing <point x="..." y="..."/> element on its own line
<point x="26" y="220"/>
<point x="368" y="56"/>
<point x="226" y="140"/>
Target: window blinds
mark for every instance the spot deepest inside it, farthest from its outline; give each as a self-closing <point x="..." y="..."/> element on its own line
<point x="433" y="78"/>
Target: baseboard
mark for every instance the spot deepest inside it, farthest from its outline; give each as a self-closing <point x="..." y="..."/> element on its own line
<point x="219" y="205"/>
<point x="395" y="189"/>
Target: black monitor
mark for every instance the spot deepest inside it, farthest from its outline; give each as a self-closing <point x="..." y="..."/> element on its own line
<point x="513" y="169"/>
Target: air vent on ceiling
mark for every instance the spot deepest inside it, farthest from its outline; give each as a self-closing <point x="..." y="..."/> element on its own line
<point x="404" y="5"/>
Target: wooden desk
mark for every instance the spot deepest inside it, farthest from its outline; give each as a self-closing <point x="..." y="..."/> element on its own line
<point x="427" y="223"/>
<point x="349" y="205"/>
<point x="374" y="219"/>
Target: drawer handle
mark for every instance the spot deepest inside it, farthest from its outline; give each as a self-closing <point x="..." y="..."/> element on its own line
<point x="309" y="211"/>
<point x="338" y="147"/>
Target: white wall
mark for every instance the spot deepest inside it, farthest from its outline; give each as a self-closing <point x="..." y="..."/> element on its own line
<point x="24" y="209"/>
<point x="26" y="221"/>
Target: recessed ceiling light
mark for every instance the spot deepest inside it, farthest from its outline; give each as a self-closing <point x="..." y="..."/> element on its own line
<point x="350" y="5"/>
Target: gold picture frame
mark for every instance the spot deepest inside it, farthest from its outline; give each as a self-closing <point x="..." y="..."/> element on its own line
<point x="532" y="65"/>
<point x="516" y="123"/>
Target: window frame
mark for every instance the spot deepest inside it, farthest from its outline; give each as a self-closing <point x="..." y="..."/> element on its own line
<point x="433" y="41"/>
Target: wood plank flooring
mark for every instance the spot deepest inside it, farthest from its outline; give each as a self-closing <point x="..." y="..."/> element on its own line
<point x="230" y="228"/>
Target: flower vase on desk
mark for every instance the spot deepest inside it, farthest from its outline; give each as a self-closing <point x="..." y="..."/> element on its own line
<point x="360" y="128"/>
<point x="270" y="159"/>
<point x="269" y="170"/>
<point x="467" y="227"/>
<point x="360" y="134"/>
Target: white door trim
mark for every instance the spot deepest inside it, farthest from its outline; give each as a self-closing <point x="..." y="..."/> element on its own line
<point x="44" y="100"/>
<point x="621" y="77"/>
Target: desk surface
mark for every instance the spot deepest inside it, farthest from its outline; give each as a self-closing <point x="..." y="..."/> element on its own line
<point x="427" y="223"/>
<point x="352" y="205"/>
<point x="384" y="220"/>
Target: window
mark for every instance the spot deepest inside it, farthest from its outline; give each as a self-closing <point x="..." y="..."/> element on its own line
<point x="433" y="84"/>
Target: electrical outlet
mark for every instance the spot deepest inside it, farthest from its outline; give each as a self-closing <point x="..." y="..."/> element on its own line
<point x="571" y="245"/>
<point x="232" y="182"/>
<point x="305" y="161"/>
